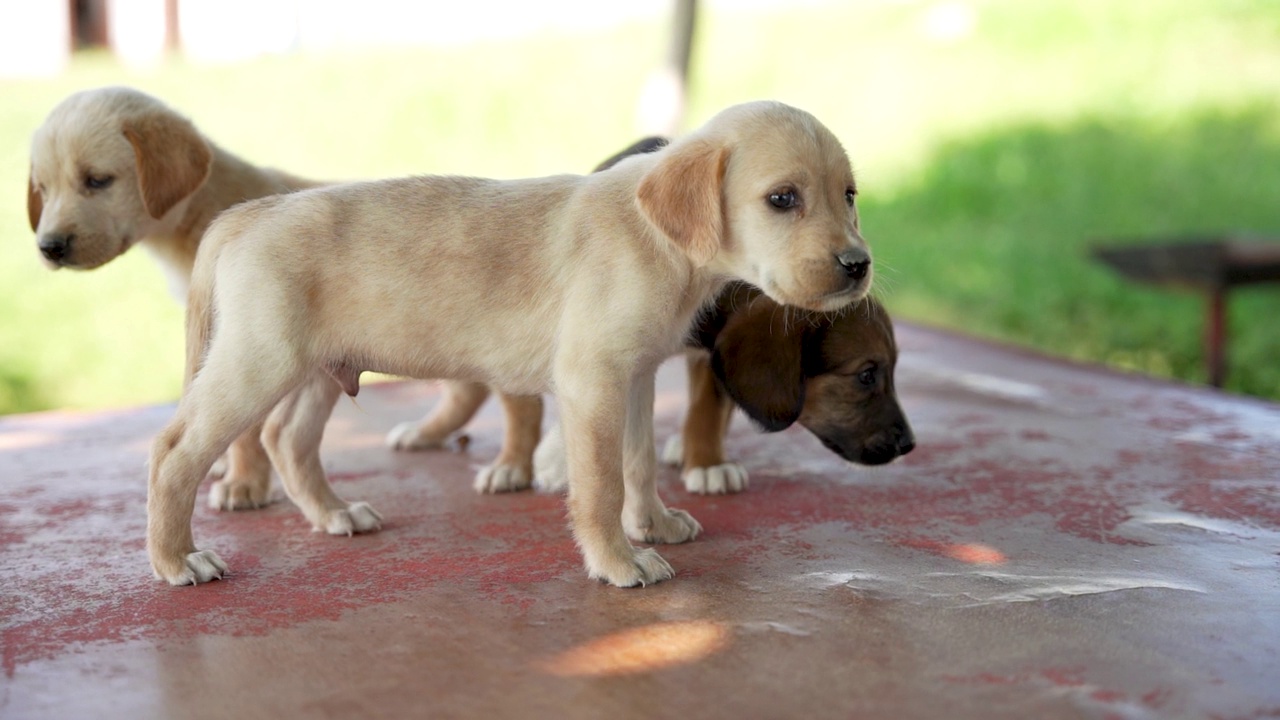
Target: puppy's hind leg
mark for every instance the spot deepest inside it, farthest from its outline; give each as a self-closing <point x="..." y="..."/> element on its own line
<point x="644" y="516"/>
<point x="459" y="404"/>
<point x="513" y="470"/>
<point x="292" y="436"/>
<point x="247" y="482"/>
<point x="220" y="403"/>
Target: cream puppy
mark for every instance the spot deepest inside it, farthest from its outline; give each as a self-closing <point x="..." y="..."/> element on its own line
<point x="114" y="167"/>
<point x="502" y="282"/>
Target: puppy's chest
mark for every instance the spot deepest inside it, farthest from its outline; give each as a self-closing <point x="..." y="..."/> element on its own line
<point x="176" y="271"/>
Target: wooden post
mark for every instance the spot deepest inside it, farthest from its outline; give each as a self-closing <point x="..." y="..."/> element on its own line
<point x="1215" y="336"/>
<point x="172" y="39"/>
<point x="662" y="102"/>
<point x="682" y="40"/>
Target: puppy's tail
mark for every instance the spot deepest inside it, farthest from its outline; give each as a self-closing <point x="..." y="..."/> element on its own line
<point x="200" y="307"/>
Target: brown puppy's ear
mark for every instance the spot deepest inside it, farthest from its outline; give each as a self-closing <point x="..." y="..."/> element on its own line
<point x="653" y="143"/>
<point x="173" y="160"/>
<point x="35" y="203"/>
<point x="758" y="358"/>
<point x="681" y="197"/>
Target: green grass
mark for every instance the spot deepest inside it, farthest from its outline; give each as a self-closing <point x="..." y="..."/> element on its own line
<point x="987" y="165"/>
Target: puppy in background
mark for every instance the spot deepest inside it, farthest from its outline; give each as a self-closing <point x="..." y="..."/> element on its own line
<point x="114" y="167"/>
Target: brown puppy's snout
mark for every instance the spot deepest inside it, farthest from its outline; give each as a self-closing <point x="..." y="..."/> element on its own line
<point x="855" y="263"/>
<point x="903" y="438"/>
<point x="55" y="246"/>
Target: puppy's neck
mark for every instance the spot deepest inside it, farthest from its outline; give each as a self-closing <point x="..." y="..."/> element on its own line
<point x="176" y="237"/>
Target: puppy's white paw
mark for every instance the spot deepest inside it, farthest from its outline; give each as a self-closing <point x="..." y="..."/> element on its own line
<point x="670" y="527"/>
<point x="716" y="480"/>
<point x="407" y="436"/>
<point x="358" y="517"/>
<point x="550" y="469"/>
<point x="219" y="468"/>
<point x="673" y="451"/>
<point x="644" y="567"/>
<point x="502" y="478"/>
<point x="197" y="567"/>
<point x="239" y="494"/>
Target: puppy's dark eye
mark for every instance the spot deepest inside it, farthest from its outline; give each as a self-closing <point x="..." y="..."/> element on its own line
<point x="849" y="195"/>
<point x="867" y="377"/>
<point x="98" y="182"/>
<point x="784" y="199"/>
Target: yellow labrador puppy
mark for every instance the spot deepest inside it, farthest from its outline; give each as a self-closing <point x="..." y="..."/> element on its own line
<point x="502" y="282"/>
<point x="114" y="167"/>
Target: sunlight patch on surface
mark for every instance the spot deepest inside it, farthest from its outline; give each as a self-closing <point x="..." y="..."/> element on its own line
<point x="642" y="649"/>
<point x="975" y="554"/>
<point x="25" y="439"/>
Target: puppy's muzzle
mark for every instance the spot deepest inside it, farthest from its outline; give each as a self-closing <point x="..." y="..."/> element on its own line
<point x="884" y="447"/>
<point x="55" y="247"/>
<point x="855" y="263"/>
<point x="904" y="440"/>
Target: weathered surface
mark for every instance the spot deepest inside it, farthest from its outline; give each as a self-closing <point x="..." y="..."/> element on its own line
<point x="1065" y="542"/>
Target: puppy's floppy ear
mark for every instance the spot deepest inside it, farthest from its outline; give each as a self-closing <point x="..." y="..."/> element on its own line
<point x="681" y="196"/>
<point x="758" y="358"/>
<point x="35" y="203"/>
<point x="173" y="159"/>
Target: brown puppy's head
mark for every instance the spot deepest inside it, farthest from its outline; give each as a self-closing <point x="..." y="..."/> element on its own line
<point x="107" y="167"/>
<point x="765" y="193"/>
<point x="831" y="372"/>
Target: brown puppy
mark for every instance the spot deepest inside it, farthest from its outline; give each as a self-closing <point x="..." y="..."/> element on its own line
<point x="831" y="372"/>
<point x="112" y="168"/>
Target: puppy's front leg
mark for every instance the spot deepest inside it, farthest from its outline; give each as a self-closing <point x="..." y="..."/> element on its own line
<point x="705" y="469"/>
<point x="644" y="516"/>
<point x="593" y="417"/>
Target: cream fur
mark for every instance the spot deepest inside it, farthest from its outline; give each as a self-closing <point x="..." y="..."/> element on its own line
<point x="502" y="282"/>
<point x="168" y="182"/>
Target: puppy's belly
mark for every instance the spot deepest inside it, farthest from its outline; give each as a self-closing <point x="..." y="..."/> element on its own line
<point x="510" y="361"/>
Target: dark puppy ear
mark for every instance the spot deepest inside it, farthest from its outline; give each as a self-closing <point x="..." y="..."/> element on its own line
<point x="640" y="147"/>
<point x="173" y="160"/>
<point x="35" y="203"/>
<point x="758" y="360"/>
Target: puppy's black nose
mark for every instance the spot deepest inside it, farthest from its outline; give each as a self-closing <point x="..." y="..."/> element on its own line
<point x="855" y="263"/>
<point x="903" y="439"/>
<point x="55" y="247"/>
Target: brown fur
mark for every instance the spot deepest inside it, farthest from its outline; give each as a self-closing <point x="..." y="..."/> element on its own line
<point x="833" y="373"/>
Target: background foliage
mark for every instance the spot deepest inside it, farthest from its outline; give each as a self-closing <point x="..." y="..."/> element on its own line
<point x="989" y="162"/>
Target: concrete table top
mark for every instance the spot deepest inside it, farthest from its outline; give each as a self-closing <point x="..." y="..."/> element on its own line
<point x="1065" y="542"/>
